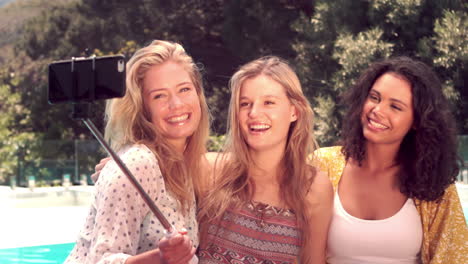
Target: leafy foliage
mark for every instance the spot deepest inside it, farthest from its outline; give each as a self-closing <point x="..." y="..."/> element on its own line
<point x="13" y="119"/>
<point x="328" y="42"/>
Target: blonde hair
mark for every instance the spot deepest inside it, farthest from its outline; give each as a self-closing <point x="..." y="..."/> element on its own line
<point x="128" y="122"/>
<point x="232" y="186"/>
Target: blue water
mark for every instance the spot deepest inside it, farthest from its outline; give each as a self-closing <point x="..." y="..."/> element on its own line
<point x="47" y="254"/>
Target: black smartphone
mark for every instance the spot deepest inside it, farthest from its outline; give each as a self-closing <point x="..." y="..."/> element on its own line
<point x="86" y="79"/>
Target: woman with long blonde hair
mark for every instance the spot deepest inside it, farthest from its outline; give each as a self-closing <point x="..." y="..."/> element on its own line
<point x="160" y="129"/>
<point x="265" y="202"/>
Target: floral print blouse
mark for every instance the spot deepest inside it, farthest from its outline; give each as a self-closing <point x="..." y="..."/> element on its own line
<point x="119" y="223"/>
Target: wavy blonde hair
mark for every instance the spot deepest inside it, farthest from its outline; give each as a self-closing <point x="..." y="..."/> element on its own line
<point x="232" y="185"/>
<point x="128" y="122"/>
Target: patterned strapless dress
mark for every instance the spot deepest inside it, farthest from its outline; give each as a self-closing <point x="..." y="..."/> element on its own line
<point x="255" y="233"/>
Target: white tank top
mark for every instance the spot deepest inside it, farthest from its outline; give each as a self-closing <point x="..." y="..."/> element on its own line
<point x="396" y="239"/>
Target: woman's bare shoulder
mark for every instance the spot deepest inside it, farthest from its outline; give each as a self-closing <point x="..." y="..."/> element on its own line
<point x="321" y="189"/>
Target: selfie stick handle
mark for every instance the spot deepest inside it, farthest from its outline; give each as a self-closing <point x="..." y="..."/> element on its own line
<point x="164" y="222"/>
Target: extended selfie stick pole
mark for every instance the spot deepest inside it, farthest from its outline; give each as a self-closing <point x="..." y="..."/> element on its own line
<point x="79" y="110"/>
<point x="164" y="222"/>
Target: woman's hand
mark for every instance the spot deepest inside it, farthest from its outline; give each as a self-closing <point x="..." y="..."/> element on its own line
<point x="177" y="249"/>
<point x="98" y="168"/>
<point x="173" y="250"/>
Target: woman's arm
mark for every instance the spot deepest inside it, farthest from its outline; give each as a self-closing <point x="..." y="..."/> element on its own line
<point x="320" y="204"/>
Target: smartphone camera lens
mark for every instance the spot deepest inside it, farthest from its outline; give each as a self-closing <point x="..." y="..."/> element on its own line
<point x="120" y="65"/>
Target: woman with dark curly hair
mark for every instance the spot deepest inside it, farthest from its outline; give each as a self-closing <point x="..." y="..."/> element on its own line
<point x="395" y="198"/>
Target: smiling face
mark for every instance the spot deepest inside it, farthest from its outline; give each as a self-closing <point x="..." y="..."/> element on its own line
<point x="171" y="99"/>
<point x="387" y="114"/>
<point x="265" y="113"/>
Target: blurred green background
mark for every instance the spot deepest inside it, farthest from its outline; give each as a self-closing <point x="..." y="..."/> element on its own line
<point x="328" y="42"/>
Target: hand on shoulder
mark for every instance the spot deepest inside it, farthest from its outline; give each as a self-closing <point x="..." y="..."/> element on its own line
<point x="98" y="168"/>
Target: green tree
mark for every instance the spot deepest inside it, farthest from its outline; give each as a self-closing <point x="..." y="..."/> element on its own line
<point x="451" y="57"/>
<point x="342" y="38"/>
<point x="14" y="118"/>
<point x="328" y="42"/>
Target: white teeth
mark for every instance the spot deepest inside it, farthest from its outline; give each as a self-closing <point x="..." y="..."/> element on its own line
<point x="259" y="127"/>
<point x="177" y="119"/>
<point x="377" y="125"/>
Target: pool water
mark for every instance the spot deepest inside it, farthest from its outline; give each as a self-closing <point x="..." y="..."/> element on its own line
<point x="50" y="254"/>
<point x="41" y="226"/>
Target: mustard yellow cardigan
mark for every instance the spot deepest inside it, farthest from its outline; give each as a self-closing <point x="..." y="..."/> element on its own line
<point x="445" y="233"/>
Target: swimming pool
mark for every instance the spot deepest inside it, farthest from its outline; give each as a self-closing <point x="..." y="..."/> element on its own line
<point x="42" y="225"/>
<point x="50" y="254"/>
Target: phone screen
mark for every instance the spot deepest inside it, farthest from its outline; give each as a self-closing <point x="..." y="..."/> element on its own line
<point x="76" y="81"/>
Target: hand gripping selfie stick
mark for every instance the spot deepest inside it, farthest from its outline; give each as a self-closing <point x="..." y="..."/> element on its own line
<point x="80" y="112"/>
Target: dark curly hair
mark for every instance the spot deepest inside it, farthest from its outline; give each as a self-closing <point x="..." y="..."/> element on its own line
<point x="428" y="153"/>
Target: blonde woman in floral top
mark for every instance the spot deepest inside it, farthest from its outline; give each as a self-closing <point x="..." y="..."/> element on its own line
<point x="159" y="128"/>
<point x="395" y="199"/>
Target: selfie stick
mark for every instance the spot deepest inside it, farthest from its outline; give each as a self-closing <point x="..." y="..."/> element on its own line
<point x="164" y="222"/>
